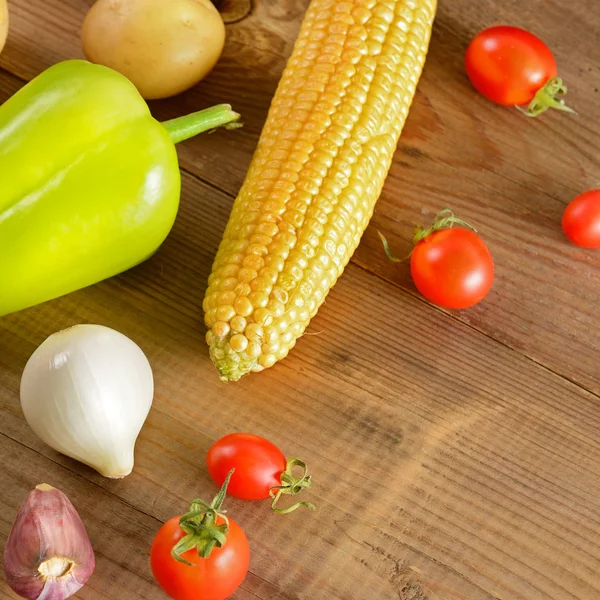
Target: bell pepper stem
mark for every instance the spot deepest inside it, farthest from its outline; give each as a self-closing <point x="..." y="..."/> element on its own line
<point x="184" y="128"/>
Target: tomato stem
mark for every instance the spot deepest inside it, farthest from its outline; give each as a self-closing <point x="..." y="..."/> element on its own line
<point x="445" y="219"/>
<point x="200" y="525"/>
<point x="388" y="252"/>
<point x="548" y="97"/>
<point x="291" y="485"/>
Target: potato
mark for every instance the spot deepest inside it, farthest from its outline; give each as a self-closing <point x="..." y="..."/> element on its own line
<point x="3" y="23"/>
<point x="163" y="46"/>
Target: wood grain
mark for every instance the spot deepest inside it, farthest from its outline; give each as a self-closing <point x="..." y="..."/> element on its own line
<point x="120" y="533"/>
<point x="455" y="456"/>
<point x="459" y="468"/>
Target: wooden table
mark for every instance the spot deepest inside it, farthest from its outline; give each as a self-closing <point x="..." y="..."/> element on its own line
<point x="455" y="454"/>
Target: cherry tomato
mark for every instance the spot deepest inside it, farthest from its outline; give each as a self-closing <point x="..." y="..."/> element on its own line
<point x="452" y="268"/>
<point x="581" y="220"/>
<point x="212" y="578"/>
<point x="509" y="65"/>
<point x="257" y="462"/>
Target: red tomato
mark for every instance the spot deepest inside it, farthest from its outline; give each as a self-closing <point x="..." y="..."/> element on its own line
<point x="581" y="220"/>
<point x="212" y="578"/>
<point x="257" y="462"/>
<point x="452" y="268"/>
<point x="509" y="65"/>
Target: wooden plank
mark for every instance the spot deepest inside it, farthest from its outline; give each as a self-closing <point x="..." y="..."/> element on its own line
<point x="509" y="176"/>
<point x="120" y="534"/>
<point x="445" y="464"/>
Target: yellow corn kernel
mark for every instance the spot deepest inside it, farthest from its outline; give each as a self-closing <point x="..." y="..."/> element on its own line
<point x="228" y="284"/>
<point x="272" y="348"/>
<point x="323" y="156"/>
<point x="258" y="299"/>
<point x="261" y="284"/>
<point x="267" y="360"/>
<point x="229" y="270"/>
<point x="212" y="299"/>
<point x="254" y="349"/>
<point x="243" y="306"/>
<point x="238" y="324"/>
<point x="210" y="318"/>
<point x="225" y="313"/>
<point x="242" y="289"/>
<point x="271" y="334"/>
<point x="221" y="329"/>
<point x="226" y="299"/>
<point x="238" y="342"/>
<point x="268" y="274"/>
<point x="254" y="332"/>
<point x="276" y="308"/>
<point x="245" y="274"/>
<point x="263" y="316"/>
<point x="254" y="262"/>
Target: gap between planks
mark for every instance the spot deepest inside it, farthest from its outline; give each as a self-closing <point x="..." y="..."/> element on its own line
<point x="75" y="473"/>
<point x="475" y="329"/>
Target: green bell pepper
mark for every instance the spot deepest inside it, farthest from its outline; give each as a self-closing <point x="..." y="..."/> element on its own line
<point x="90" y="180"/>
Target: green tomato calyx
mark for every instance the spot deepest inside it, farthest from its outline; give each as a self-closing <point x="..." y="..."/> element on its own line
<point x="445" y="219"/>
<point x="547" y="97"/>
<point x="292" y="485"/>
<point x="200" y="525"/>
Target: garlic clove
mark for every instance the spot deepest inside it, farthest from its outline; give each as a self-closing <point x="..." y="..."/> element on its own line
<point x="48" y="554"/>
<point x="86" y="392"/>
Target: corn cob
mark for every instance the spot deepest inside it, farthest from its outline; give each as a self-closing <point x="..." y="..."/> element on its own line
<point x="318" y="170"/>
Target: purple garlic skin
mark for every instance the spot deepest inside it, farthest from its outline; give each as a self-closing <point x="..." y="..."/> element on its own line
<point x="48" y="554"/>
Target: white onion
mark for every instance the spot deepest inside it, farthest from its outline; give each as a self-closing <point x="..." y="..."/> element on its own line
<point x="86" y="392"/>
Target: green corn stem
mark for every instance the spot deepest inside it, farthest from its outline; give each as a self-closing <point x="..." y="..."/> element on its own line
<point x="188" y="126"/>
<point x="548" y="97"/>
<point x="200" y="525"/>
<point x="290" y="486"/>
<point x="445" y="219"/>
